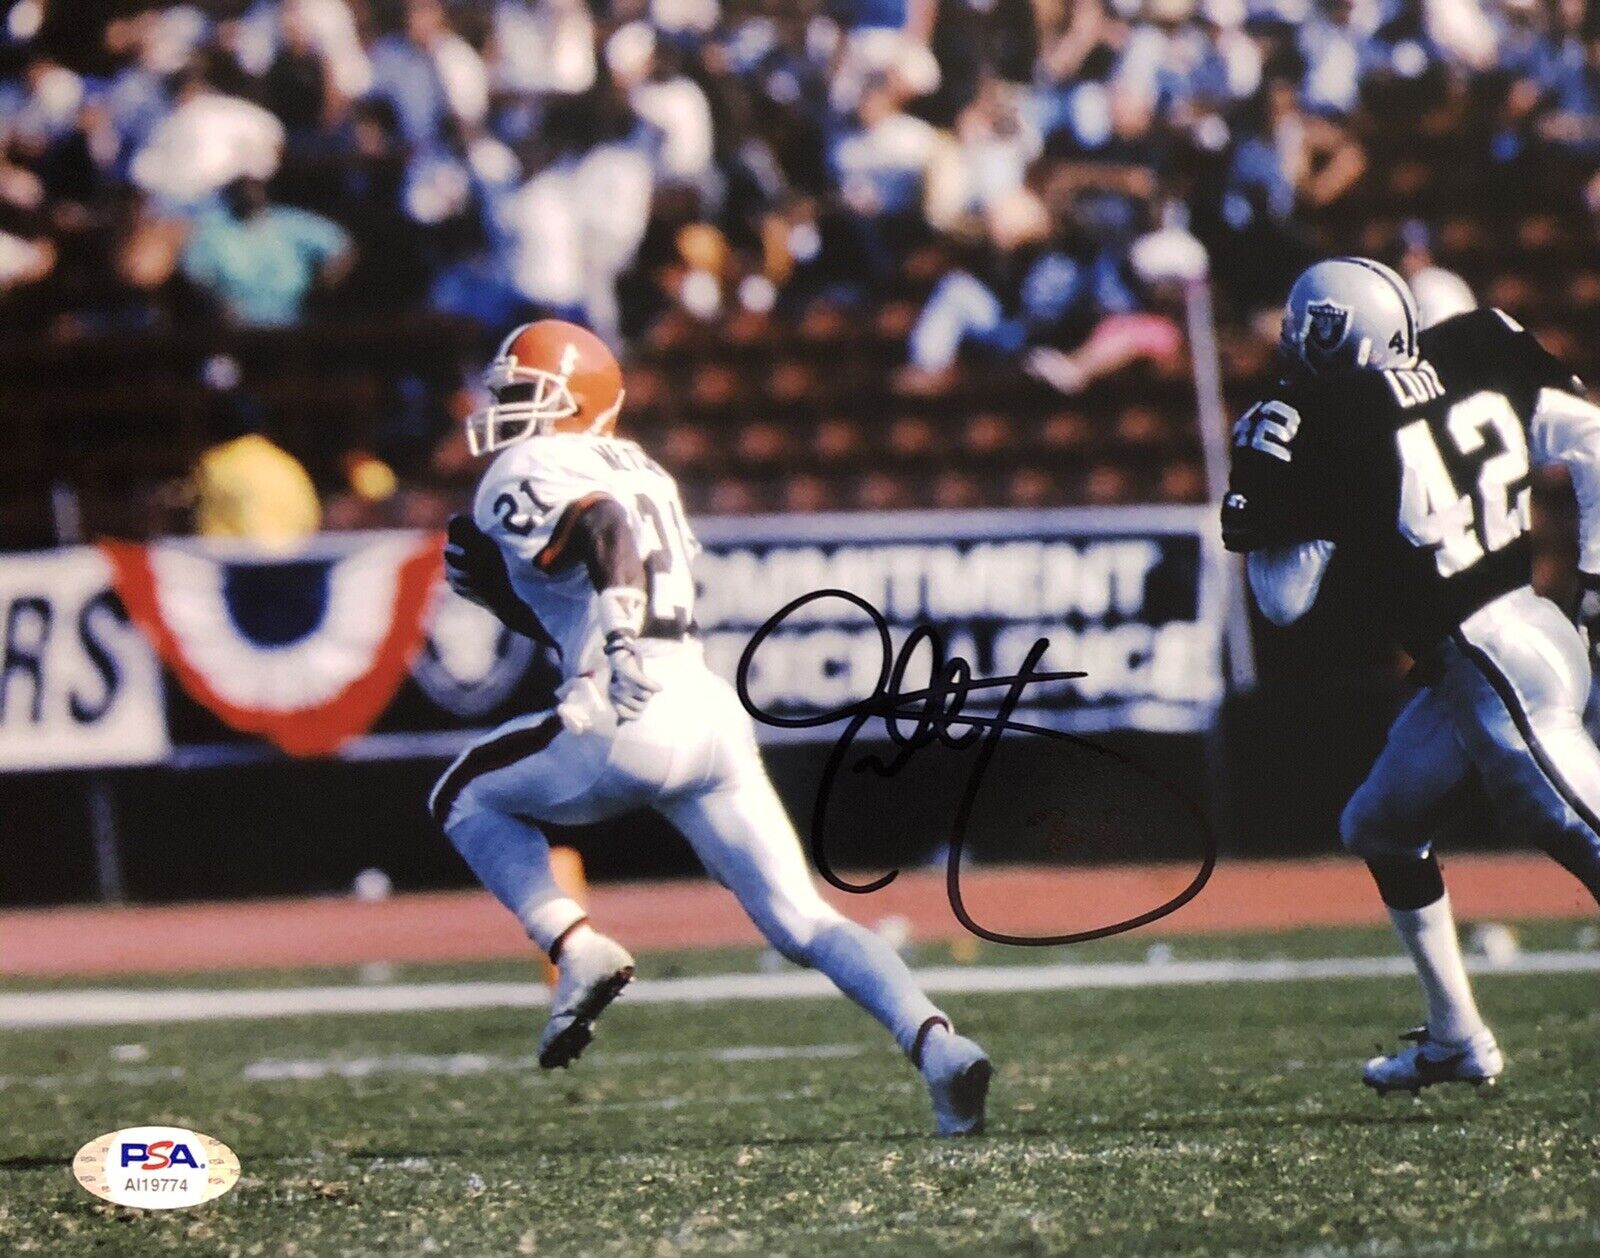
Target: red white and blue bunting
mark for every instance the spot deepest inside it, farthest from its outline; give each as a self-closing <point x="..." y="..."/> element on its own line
<point x="304" y="650"/>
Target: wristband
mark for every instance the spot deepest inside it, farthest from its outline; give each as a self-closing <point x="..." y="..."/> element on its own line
<point x="622" y="610"/>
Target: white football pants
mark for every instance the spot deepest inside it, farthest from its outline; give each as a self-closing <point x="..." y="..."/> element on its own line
<point x="1507" y="706"/>
<point x="692" y="757"/>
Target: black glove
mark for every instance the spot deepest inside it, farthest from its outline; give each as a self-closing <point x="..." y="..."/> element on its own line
<point x="1239" y="533"/>
<point x="472" y="562"/>
<point x="477" y="572"/>
<point x="1589" y="612"/>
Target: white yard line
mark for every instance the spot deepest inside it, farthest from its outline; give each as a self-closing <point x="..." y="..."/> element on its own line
<point x="455" y="1064"/>
<point x="441" y="1065"/>
<point x="114" y="1007"/>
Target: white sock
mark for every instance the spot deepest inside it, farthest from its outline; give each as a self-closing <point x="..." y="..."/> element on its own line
<point x="551" y="920"/>
<point x="1429" y="935"/>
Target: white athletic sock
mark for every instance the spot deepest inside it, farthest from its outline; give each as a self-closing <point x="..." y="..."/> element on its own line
<point x="1429" y="935"/>
<point x="551" y="920"/>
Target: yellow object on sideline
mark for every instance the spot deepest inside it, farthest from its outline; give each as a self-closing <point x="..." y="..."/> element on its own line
<point x="567" y="868"/>
<point x="251" y="488"/>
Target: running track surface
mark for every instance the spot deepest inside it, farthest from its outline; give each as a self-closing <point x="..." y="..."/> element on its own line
<point x="470" y="926"/>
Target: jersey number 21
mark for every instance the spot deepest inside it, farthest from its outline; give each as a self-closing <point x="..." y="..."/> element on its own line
<point x="666" y="563"/>
<point x="1434" y="513"/>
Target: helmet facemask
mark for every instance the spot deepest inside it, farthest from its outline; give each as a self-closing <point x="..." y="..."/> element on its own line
<point x="528" y="401"/>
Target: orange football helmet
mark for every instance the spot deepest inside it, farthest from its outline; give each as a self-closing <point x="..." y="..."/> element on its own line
<point x="547" y="376"/>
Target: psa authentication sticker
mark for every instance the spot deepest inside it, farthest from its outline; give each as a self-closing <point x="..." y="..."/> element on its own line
<point x="156" y="1168"/>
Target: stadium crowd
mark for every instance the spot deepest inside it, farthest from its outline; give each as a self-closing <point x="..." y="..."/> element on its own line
<point x="1035" y="174"/>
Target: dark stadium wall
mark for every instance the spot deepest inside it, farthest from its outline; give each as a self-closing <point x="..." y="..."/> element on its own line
<point x="307" y="827"/>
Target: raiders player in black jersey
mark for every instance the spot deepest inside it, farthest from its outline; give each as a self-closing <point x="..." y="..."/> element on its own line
<point x="1407" y="455"/>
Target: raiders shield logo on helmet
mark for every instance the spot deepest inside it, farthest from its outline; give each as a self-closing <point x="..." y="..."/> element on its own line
<point x="1326" y="325"/>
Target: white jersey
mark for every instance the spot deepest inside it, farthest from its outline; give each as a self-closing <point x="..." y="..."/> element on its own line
<point x="531" y="497"/>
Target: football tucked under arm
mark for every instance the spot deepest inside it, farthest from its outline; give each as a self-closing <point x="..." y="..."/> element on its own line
<point x="1285" y="572"/>
<point x="1285" y="579"/>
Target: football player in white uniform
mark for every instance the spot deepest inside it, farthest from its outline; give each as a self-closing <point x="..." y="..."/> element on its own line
<point x="578" y="538"/>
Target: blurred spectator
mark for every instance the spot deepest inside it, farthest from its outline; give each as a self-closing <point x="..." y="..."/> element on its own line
<point x="1518" y="30"/>
<point x="145" y="256"/>
<point x="543" y="46"/>
<point x="261" y="261"/>
<point x="392" y="263"/>
<point x="883" y="158"/>
<point x="208" y="140"/>
<point x="136" y="97"/>
<point x="1118" y="341"/>
<point x="297" y="86"/>
<point x="1463" y="31"/>
<point x="1072" y="98"/>
<point x="576" y="224"/>
<point x="1334" y="44"/>
<point x="1162" y="263"/>
<point x="1164" y="54"/>
<point x="432" y="77"/>
<point x="973" y="41"/>
<point x="43" y="107"/>
<point x="665" y="98"/>
<point x="985" y="166"/>
<point x="324" y="28"/>
<point x="1440" y="293"/>
<point x="882" y="39"/>
<point x="1284" y="162"/>
<point x="1078" y="291"/>
<point x="1230" y="63"/>
<point x="1572" y="116"/>
<point x="24" y="260"/>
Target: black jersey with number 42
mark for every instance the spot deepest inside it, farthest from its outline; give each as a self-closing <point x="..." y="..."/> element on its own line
<point x="1420" y="476"/>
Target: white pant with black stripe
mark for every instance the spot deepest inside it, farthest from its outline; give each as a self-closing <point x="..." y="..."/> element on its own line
<point x="692" y="757"/>
<point x="1507" y="705"/>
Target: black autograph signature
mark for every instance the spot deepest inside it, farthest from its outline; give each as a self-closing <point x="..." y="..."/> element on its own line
<point x="936" y="713"/>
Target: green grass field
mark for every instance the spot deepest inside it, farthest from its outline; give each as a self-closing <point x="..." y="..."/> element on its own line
<point x="1157" y="1121"/>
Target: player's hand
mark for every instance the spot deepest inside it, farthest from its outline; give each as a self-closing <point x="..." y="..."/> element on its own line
<point x="1239" y="533"/>
<point x="630" y="687"/>
<point x="476" y="570"/>
<point x="473" y="564"/>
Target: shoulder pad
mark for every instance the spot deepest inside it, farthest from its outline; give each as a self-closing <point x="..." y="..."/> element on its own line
<point x="539" y="477"/>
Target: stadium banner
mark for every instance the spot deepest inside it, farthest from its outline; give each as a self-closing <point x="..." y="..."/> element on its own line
<point x="191" y="652"/>
<point x="351" y="645"/>
<point x="1132" y="597"/>
<point x="79" y="686"/>
<point x="304" y="649"/>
